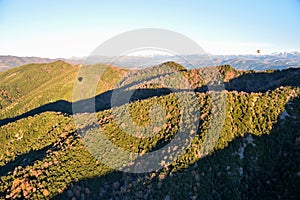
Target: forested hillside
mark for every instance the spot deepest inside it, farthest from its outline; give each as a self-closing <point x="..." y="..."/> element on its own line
<point x="256" y="154"/>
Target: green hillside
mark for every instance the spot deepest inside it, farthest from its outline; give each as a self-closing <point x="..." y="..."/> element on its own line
<point x="30" y="86"/>
<point x="256" y="155"/>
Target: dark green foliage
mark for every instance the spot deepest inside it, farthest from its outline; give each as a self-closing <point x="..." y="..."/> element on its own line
<point x="256" y="155"/>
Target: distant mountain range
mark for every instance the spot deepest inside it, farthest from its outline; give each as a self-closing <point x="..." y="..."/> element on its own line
<point x="8" y="62"/>
<point x="261" y="62"/>
<point x="245" y="62"/>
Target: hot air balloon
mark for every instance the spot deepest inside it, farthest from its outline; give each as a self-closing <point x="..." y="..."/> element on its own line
<point x="258" y="50"/>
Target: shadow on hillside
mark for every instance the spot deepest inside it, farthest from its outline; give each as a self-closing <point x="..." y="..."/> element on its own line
<point x="32" y="156"/>
<point x="256" y="82"/>
<point x="268" y="170"/>
<point x="263" y="81"/>
<point x="24" y="160"/>
<point x="101" y="102"/>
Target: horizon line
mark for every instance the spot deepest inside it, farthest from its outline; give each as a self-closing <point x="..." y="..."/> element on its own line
<point x="153" y="55"/>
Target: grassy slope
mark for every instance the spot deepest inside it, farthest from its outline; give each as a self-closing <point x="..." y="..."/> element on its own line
<point x="30" y="86"/>
<point x="34" y="169"/>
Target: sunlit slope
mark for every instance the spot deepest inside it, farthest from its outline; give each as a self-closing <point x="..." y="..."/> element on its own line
<point x="255" y="154"/>
<point x="30" y="86"/>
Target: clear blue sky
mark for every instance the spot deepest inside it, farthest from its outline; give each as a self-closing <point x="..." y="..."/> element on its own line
<point x="65" y="28"/>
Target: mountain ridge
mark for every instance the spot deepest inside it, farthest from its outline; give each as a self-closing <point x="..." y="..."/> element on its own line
<point x="255" y="154"/>
<point x="278" y="60"/>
